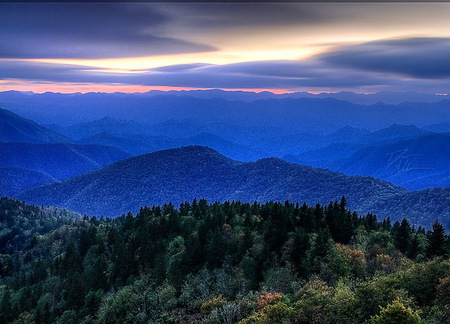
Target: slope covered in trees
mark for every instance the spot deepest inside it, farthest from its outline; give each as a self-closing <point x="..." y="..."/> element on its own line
<point x="24" y="166"/>
<point x="229" y="263"/>
<point x="14" y="180"/>
<point x="415" y="164"/>
<point x="182" y="174"/>
<point x="21" y="224"/>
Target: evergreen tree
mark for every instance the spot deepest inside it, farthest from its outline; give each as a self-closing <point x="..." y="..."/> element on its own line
<point x="402" y="235"/>
<point x="437" y="241"/>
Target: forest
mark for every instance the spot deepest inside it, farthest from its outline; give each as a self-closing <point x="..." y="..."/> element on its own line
<point x="229" y="262"/>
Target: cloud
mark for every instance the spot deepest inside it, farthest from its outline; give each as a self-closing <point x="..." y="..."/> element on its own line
<point x="423" y="58"/>
<point x="179" y="67"/>
<point x="86" y="30"/>
<point x="220" y="15"/>
<point x="49" y="72"/>
<point x="263" y="74"/>
<point x="353" y="67"/>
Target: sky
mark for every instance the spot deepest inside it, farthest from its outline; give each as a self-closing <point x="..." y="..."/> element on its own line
<point x="254" y="46"/>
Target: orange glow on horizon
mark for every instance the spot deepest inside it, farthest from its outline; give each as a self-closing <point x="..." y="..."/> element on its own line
<point x="8" y="85"/>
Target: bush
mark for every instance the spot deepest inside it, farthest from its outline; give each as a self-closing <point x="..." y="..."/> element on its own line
<point x="279" y="313"/>
<point x="395" y="313"/>
<point x="268" y="299"/>
<point x="207" y="307"/>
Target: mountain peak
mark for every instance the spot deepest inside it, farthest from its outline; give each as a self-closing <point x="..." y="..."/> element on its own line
<point x="195" y="151"/>
<point x="184" y="173"/>
<point x="398" y="130"/>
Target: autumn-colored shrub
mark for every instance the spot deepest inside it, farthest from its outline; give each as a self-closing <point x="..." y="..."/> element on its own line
<point x="269" y="298"/>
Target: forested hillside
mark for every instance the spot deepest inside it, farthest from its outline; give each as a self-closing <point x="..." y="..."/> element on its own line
<point x="182" y="174"/>
<point x="229" y="262"/>
<point x="22" y="224"/>
<point x="59" y="160"/>
<point x="185" y="173"/>
<point x="14" y="180"/>
<point x="415" y="164"/>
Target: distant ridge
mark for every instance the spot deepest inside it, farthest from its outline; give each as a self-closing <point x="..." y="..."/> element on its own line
<point x="298" y="112"/>
<point x="40" y="163"/>
<point x="14" y="128"/>
<point x="416" y="163"/>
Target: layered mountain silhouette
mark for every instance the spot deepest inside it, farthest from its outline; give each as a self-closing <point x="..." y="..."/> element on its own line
<point x="14" y="128"/>
<point x="415" y="164"/>
<point x="304" y="114"/>
<point x="177" y="175"/>
<point x="137" y="144"/>
<point x="60" y="160"/>
<point x="392" y="133"/>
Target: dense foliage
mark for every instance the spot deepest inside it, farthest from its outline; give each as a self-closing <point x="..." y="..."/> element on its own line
<point x="184" y="173"/>
<point x="24" y="165"/>
<point x="228" y="262"/>
<point x="20" y="223"/>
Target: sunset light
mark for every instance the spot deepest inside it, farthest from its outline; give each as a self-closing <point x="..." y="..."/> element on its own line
<point x="295" y="46"/>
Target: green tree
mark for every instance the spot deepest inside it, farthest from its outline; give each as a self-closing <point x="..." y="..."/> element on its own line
<point x="279" y="313"/>
<point x="402" y="235"/>
<point x="422" y="278"/>
<point x="313" y="302"/>
<point x="123" y="307"/>
<point x="379" y="291"/>
<point x="396" y="313"/>
<point x="343" y="305"/>
<point x="437" y="241"/>
<point x="176" y="252"/>
<point x="320" y="245"/>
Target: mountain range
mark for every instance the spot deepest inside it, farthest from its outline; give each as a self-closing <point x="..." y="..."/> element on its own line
<point x="24" y="165"/>
<point x="350" y="150"/>
<point x="83" y="153"/>
<point x="411" y="157"/>
<point x="312" y="114"/>
<point x="14" y="128"/>
<point x="182" y="174"/>
<point x="416" y="163"/>
<point x="136" y="144"/>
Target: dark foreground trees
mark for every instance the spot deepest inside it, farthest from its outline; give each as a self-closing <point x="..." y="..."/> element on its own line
<point x="229" y="262"/>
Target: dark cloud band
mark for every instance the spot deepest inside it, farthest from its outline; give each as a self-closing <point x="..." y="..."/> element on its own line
<point x="86" y="30"/>
<point x="425" y="58"/>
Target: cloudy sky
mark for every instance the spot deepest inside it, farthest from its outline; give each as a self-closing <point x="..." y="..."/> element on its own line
<point x="281" y="47"/>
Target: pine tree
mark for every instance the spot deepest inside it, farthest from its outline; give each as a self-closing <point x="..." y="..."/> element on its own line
<point x="437" y="241"/>
<point x="402" y="235"/>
